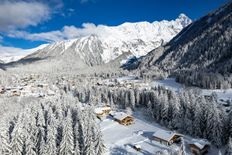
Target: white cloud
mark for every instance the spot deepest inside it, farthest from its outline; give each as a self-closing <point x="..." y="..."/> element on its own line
<point x="21" y="14"/>
<point x="67" y="32"/>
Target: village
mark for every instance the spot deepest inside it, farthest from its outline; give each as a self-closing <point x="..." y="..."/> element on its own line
<point x="28" y="86"/>
<point x="134" y="135"/>
<point x="123" y="131"/>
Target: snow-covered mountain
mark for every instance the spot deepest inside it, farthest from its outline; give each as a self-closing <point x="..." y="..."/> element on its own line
<point x="9" y="54"/>
<point x="108" y="43"/>
<point x="201" y="54"/>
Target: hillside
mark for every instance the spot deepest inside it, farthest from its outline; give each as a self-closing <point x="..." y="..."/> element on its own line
<point x="202" y="50"/>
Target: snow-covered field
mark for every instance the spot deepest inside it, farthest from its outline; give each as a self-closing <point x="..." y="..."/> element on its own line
<point x="168" y="83"/>
<point x="119" y="139"/>
<point x="171" y="84"/>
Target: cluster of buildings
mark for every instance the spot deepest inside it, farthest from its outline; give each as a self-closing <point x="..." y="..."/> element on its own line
<point x="129" y="84"/>
<point x="167" y="138"/>
<point x="27" y="86"/>
<point x="120" y="117"/>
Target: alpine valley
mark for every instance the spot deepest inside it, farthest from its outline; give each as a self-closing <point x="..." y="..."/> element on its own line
<point x="160" y="88"/>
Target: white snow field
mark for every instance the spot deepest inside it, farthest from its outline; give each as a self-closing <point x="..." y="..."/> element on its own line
<point x="171" y="84"/>
<point x="120" y="139"/>
<point x="168" y="83"/>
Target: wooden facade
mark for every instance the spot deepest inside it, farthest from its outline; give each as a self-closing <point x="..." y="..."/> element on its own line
<point x="199" y="150"/>
<point x="128" y="120"/>
<point x="102" y="111"/>
<point x="166" y="137"/>
<point x="123" y="118"/>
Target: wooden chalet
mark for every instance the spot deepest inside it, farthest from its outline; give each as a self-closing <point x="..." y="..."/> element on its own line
<point x="102" y="111"/>
<point x="123" y="118"/>
<point x="2" y="90"/>
<point x="198" y="148"/>
<point x="15" y="93"/>
<point x="137" y="147"/>
<point x="166" y="137"/>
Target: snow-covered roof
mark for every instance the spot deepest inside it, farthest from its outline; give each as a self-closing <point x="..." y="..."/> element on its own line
<point x="200" y="143"/>
<point x="120" y="115"/>
<point x="200" y="146"/>
<point x="137" y="146"/>
<point x="101" y="109"/>
<point x="165" y="135"/>
<point x="98" y="110"/>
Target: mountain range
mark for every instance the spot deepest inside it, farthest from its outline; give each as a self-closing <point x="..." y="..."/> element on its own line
<point x="197" y="53"/>
<point x="108" y="43"/>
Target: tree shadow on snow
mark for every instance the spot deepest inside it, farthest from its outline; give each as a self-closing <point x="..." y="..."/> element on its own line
<point x="120" y="151"/>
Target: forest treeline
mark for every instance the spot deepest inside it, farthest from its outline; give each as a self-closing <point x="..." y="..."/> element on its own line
<point x="187" y="112"/>
<point x="57" y="127"/>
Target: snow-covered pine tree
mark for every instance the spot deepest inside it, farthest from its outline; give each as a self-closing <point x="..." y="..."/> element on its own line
<point x="182" y="147"/>
<point x="40" y="118"/>
<point x="228" y="150"/>
<point x="214" y="125"/>
<point x="164" y="110"/>
<point x="50" y="147"/>
<point x="17" y="140"/>
<point x="5" y="148"/>
<point x="175" y="104"/>
<point x="132" y="98"/>
<point x="30" y="146"/>
<point x="76" y="142"/>
<point x="88" y="144"/>
<point x="67" y="143"/>
<point x="189" y="114"/>
<point x="197" y="119"/>
<point x="150" y="110"/>
<point x="98" y="143"/>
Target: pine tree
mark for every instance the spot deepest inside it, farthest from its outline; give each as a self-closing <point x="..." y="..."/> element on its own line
<point x="5" y="148"/>
<point x="67" y="143"/>
<point x="182" y="147"/>
<point x="214" y="125"/>
<point x="132" y="98"/>
<point x="30" y="146"/>
<point x="175" y="103"/>
<point x="40" y="118"/>
<point x="150" y="110"/>
<point x="99" y="146"/>
<point x="164" y="110"/>
<point x="50" y="147"/>
<point x="76" y="142"/>
<point x="229" y="147"/>
<point x="17" y="140"/>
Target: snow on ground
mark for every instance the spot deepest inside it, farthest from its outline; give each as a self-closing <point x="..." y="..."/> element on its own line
<point x="168" y="83"/>
<point x="119" y="139"/>
<point x="171" y="84"/>
<point x="127" y="78"/>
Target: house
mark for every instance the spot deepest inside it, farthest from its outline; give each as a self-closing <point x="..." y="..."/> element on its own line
<point x="101" y="111"/>
<point x="166" y="137"/>
<point x="2" y="90"/>
<point x="199" y="148"/>
<point x="15" y="93"/>
<point x="137" y="147"/>
<point x="123" y="118"/>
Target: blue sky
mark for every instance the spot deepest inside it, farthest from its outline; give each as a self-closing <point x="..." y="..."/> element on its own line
<point x="53" y="20"/>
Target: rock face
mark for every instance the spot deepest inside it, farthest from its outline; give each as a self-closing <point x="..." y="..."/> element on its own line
<point x="203" y="46"/>
<point x="109" y="43"/>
